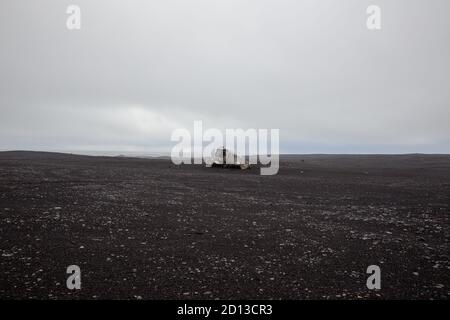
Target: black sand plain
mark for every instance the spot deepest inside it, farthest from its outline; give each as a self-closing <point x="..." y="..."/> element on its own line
<point x="147" y="229"/>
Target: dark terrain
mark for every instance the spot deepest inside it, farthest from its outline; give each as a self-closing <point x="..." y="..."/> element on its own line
<point x="145" y="228"/>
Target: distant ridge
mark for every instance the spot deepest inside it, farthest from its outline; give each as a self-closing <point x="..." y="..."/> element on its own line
<point x="27" y="154"/>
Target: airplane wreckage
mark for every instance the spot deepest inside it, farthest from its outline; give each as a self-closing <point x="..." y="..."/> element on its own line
<point x="224" y="158"/>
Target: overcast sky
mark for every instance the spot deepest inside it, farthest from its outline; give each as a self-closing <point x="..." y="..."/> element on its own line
<point x="139" y="69"/>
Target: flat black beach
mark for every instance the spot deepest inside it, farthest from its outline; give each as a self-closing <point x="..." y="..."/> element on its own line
<point x="145" y="228"/>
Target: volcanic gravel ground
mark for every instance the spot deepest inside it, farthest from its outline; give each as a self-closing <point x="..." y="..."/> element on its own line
<point x="145" y="228"/>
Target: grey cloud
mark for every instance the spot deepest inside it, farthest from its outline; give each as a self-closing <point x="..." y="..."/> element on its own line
<point x="309" y="68"/>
